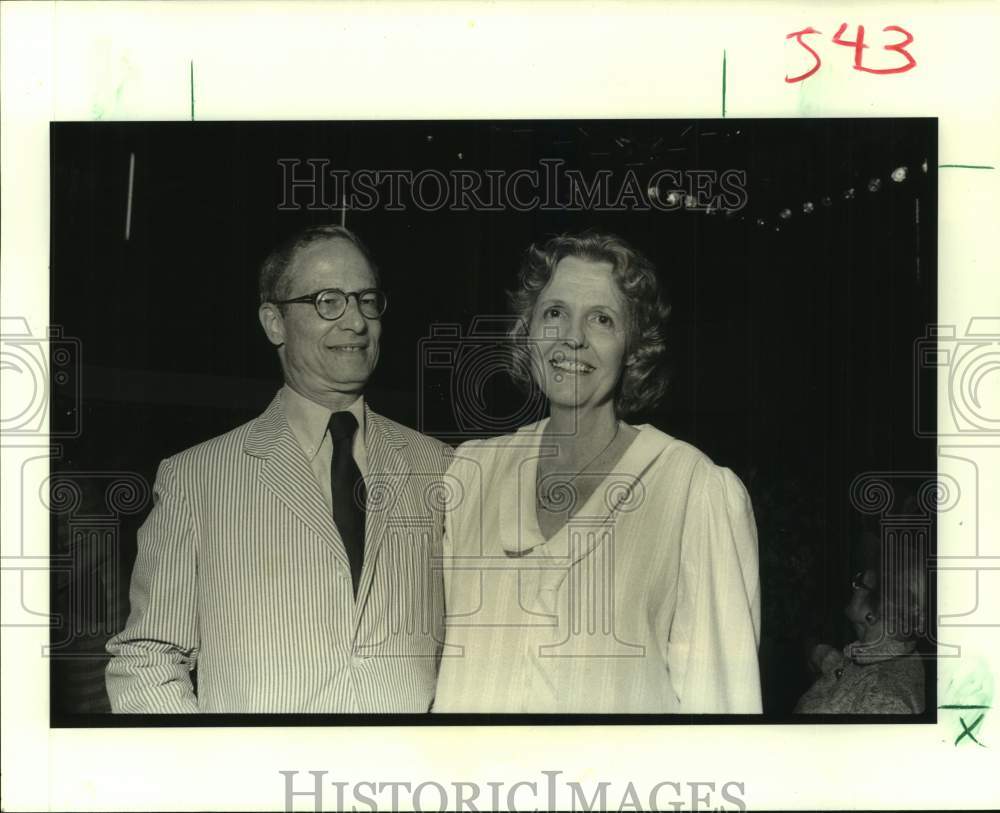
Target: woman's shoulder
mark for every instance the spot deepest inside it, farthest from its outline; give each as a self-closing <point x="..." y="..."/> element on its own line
<point x="499" y="448"/>
<point x="893" y="686"/>
<point x="673" y="450"/>
<point x="680" y="456"/>
<point x="690" y="484"/>
<point x="904" y="670"/>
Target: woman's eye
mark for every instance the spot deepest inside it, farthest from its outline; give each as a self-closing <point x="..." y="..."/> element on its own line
<point x="604" y="320"/>
<point x="551" y="313"/>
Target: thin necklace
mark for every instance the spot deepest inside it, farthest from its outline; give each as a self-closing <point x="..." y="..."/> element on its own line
<point x="546" y="496"/>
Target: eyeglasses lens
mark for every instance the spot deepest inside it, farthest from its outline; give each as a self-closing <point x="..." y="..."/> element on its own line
<point x="332" y="304"/>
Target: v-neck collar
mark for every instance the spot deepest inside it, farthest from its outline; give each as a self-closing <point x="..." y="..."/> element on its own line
<point x="621" y="490"/>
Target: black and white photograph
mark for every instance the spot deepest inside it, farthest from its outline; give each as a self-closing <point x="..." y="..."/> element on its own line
<point x="457" y="405"/>
<point x="493" y="421"/>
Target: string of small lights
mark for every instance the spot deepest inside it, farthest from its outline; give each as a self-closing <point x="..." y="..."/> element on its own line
<point x="900" y="174"/>
<point x="875" y="184"/>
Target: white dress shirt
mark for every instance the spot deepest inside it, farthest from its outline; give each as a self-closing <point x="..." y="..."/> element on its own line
<point x="308" y="422"/>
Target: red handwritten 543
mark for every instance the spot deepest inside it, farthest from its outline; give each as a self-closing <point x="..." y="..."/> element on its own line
<point x="895" y="40"/>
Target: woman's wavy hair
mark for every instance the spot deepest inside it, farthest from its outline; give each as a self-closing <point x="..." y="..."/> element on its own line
<point x="643" y="382"/>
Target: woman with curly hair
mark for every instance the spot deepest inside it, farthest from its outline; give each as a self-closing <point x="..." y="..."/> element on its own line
<point x="592" y="565"/>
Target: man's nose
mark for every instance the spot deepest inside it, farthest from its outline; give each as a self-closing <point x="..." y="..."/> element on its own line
<point x="352" y="318"/>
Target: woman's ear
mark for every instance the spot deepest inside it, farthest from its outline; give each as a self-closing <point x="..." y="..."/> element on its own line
<point x="273" y="323"/>
<point x="631" y="359"/>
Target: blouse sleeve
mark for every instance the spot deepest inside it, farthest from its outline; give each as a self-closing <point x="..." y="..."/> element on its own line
<point x="715" y="633"/>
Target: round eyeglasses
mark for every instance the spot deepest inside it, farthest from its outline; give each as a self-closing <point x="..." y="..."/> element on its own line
<point x="330" y="303"/>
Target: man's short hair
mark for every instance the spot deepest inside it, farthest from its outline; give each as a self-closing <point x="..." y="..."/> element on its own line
<point x="273" y="283"/>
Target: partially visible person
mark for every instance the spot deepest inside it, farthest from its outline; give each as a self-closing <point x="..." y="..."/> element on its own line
<point x="592" y="565"/>
<point x="880" y="672"/>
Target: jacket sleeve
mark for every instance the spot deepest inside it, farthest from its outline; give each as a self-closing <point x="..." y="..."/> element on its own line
<point x="715" y="634"/>
<point x="152" y="657"/>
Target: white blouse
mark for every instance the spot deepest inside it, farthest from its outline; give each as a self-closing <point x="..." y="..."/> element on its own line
<point x="647" y="600"/>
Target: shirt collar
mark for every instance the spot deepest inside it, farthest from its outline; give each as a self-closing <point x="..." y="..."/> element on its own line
<point x="877" y="651"/>
<point x="308" y="420"/>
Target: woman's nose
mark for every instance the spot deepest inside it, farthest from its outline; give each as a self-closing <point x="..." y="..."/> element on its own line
<point x="575" y="335"/>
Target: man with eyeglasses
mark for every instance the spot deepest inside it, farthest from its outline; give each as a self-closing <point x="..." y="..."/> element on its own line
<point x="288" y="561"/>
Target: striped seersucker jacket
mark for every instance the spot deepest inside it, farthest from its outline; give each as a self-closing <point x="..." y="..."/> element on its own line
<point x="241" y="573"/>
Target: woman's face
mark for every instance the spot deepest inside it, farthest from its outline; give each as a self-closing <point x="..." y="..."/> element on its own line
<point x="578" y="333"/>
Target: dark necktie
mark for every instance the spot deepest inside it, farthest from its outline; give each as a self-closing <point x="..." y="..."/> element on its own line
<point x="349" y="494"/>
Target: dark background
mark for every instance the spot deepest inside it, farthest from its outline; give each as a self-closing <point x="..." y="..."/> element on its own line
<point x="791" y="340"/>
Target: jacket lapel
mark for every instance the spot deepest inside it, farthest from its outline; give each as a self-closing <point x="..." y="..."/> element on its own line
<point x="287" y="475"/>
<point x="388" y="492"/>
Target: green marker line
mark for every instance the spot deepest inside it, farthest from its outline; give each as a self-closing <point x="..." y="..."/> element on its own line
<point x="964" y="707"/>
<point x="964" y="166"/>
<point x="723" y="83"/>
<point x="967" y="731"/>
<point x="192" y="90"/>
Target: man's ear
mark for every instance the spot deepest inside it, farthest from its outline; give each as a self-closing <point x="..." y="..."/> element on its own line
<point x="273" y="323"/>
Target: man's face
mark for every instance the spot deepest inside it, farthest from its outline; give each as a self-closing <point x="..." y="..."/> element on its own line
<point x="328" y="362"/>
